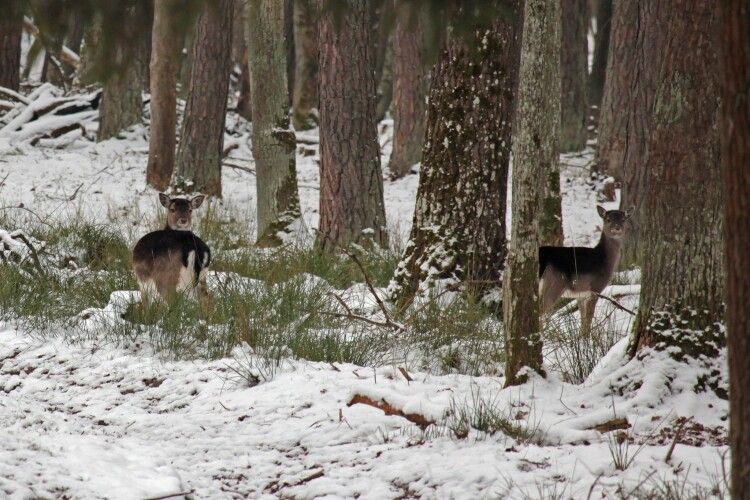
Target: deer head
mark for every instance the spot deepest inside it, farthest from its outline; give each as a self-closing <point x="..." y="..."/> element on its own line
<point x="614" y="221"/>
<point x="180" y="211"/>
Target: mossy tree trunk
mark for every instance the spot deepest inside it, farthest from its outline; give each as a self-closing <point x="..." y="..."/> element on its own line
<point x="681" y="305"/>
<point x="574" y="75"/>
<point x="273" y="143"/>
<point x="351" y="192"/>
<point x="458" y="231"/>
<point x="11" y="30"/>
<point x="122" y="101"/>
<point x="164" y="68"/>
<point x="198" y="163"/>
<point x="534" y="156"/>
<point x="409" y="89"/>
<point x="305" y="95"/>
<point x="735" y="137"/>
<point x="603" y="15"/>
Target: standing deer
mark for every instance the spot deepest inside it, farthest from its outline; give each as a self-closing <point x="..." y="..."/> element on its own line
<point x="582" y="273"/>
<point x="173" y="259"/>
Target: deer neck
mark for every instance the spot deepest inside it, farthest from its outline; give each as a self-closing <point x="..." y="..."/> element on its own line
<point x="611" y="247"/>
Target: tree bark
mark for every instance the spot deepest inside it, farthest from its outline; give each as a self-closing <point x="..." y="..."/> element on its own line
<point x="164" y="68"/>
<point x="458" y="231"/>
<point x="735" y="138"/>
<point x="351" y="192"/>
<point x="681" y="305"/>
<point x="534" y="157"/>
<point x="198" y="167"/>
<point x="574" y="73"/>
<point x="273" y="143"/>
<point x="122" y="101"/>
<point x="305" y="95"/>
<point x="603" y="16"/>
<point x="11" y="29"/>
<point x="410" y="83"/>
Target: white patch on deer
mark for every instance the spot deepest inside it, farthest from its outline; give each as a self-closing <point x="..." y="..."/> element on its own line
<point x="186" y="281"/>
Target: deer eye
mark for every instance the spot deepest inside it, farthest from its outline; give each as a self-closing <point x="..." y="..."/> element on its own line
<point x="172" y="210"/>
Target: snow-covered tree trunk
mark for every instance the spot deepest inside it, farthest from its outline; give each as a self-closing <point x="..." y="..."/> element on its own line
<point x="534" y="155"/>
<point x="735" y="135"/>
<point x="603" y="15"/>
<point x="122" y="101"/>
<point x="574" y="75"/>
<point x="198" y="164"/>
<point x="682" y="295"/>
<point x="351" y="192"/>
<point x="164" y="68"/>
<point x="305" y="95"/>
<point x="409" y="89"/>
<point x="458" y="231"/>
<point x="273" y="143"/>
<point x="11" y="30"/>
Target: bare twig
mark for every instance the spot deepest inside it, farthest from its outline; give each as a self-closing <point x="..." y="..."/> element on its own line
<point x="677" y="436"/>
<point x="381" y="305"/>
<point x="405" y="374"/>
<point x="616" y="304"/>
<point x="34" y="256"/>
<point x="238" y="167"/>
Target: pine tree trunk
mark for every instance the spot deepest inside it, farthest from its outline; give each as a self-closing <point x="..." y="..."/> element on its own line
<point x="409" y="84"/>
<point x="735" y="134"/>
<point x="10" y="44"/>
<point x="305" y="95"/>
<point x="241" y="56"/>
<point x="681" y="305"/>
<point x="603" y="15"/>
<point x="273" y="143"/>
<point x="574" y="73"/>
<point x="291" y="49"/>
<point x="198" y="165"/>
<point x="534" y="156"/>
<point x="164" y="68"/>
<point x="458" y="231"/>
<point x="122" y="101"/>
<point x="245" y="100"/>
<point x="351" y="192"/>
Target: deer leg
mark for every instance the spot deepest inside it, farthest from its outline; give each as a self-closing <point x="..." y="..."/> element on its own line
<point x="551" y="288"/>
<point x="587" y="306"/>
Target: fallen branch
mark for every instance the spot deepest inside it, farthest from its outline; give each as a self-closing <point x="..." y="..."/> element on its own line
<point x="173" y="495"/>
<point x="238" y="167"/>
<point x="420" y="420"/>
<point x="379" y="301"/>
<point x="64" y="54"/>
<point x="677" y="436"/>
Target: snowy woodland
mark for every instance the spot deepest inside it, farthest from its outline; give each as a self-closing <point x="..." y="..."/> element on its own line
<point x="391" y="307"/>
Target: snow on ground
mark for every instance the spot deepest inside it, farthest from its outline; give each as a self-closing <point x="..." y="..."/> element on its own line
<point x="93" y="420"/>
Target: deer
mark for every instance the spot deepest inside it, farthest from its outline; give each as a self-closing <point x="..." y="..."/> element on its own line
<point x="582" y="273"/>
<point x="173" y="259"/>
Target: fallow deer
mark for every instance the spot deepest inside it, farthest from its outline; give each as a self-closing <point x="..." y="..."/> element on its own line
<point x="582" y="273"/>
<point x="173" y="259"/>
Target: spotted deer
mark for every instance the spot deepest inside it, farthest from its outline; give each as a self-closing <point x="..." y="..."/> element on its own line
<point x="582" y="273"/>
<point x="173" y="259"/>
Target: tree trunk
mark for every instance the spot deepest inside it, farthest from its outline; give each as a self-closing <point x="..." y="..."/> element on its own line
<point x="241" y="56"/>
<point x="291" y="50"/>
<point x="122" y="101"/>
<point x="459" y="221"/>
<point x="623" y="66"/>
<point x="305" y="95"/>
<point x="351" y="192"/>
<point x="199" y="155"/>
<point x="409" y="84"/>
<point x="273" y="143"/>
<point x="164" y="68"/>
<point x="573" y="73"/>
<point x="735" y="134"/>
<point x="681" y="305"/>
<point x="534" y="156"/>
<point x="11" y="30"/>
<point x="385" y="83"/>
<point x="603" y="16"/>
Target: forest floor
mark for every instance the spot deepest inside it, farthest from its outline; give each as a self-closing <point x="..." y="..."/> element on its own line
<point x="88" y="413"/>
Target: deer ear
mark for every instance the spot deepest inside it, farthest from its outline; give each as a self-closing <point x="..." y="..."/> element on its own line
<point x="164" y="200"/>
<point x="197" y="201"/>
<point x="601" y="211"/>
